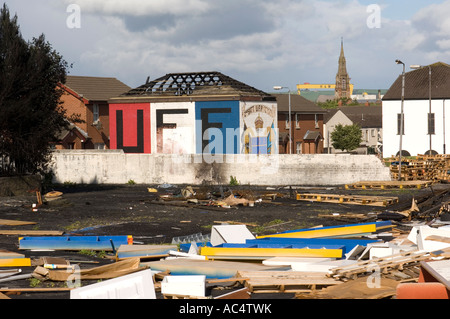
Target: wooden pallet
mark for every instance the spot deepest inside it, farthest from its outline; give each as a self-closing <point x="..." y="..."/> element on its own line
<point x="348" y="199"/>
<point x="285" y="281"/>
<point x="385" y="266"/>
<point x="389" y="185"/>
<point x="423" y="167"/>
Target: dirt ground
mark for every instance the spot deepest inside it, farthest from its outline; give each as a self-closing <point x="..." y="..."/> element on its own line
<point x="133" y="210"/>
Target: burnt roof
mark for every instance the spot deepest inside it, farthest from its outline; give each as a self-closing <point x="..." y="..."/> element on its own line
<point x="95" y="88"/>
<point x="194" y="84"/>
<point x="417" y="84"/>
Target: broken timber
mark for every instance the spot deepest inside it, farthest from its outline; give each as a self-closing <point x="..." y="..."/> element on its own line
<point x="389" y="184"/>
<point x="382" y="265"/>
<point x="349" y="199"/>
<point x="285" y="281"/>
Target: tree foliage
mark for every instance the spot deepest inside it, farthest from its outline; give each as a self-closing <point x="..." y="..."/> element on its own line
<point x="346" y="137"/>
<point x="31" y="116"/>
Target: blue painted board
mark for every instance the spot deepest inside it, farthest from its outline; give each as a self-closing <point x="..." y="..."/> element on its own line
<point x="73" y="242"/>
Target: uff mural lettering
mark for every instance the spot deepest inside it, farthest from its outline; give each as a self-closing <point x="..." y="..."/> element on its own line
<point x="130" y="127"/>
<point x="173" y="128"/>
<point x="217" y="127"/>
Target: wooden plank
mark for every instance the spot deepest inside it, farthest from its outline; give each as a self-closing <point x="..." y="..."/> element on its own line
<point x="25" y="232"/>
<point x="18" y="290"/>
<point x="285" y="281"/>
<point x="9" y="222"/>
<point x="348" y="199"/>
<point x="389" y="184"/>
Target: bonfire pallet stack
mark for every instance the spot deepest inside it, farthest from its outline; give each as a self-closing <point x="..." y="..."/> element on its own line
<point x="434" y="168"/>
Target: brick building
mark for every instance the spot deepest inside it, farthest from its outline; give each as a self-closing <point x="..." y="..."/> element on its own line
<point x="87" y="97"/>
<point x="307" y="125"/>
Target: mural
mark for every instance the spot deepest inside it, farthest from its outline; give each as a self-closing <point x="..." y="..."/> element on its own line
<point x="203" y="127"/>
<point x="130" y="127"/>
<point x="217" y="127"/>
<point x="259" y="128"/>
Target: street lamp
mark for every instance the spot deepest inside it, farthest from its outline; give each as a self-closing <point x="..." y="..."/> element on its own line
<point x="401" y="121"/>
<point x="430" y="131"/>
<point x="277" y="88"/>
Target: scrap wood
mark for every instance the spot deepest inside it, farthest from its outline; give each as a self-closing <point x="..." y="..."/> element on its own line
<point x="3" y="296"/>
<point x="438" y="238"/>
<point x="242" y="293"/>
<point x="53" y="195"/>
<point x="348" y="199"/>
<point x="8" y="222"/>
<point x="389" y="184"/>
<point x="26" y="232"/>
<point x="285" y="281"/>
<point x="108" y="271"/>
<point x="383" y="265"/>
<point x="360" y="288"/>
<point x="20" y="290"/>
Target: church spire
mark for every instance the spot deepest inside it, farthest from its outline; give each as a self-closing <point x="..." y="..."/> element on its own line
<point x="342" y="78"/>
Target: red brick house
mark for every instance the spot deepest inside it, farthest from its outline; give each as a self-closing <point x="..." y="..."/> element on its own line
<point x="88" y="97"/>
<point x="307" y="125"/>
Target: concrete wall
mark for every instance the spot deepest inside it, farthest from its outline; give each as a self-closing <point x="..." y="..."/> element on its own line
<point x="116" y="167"/>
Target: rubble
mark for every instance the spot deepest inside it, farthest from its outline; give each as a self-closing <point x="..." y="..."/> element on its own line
<point x="233" y="261"/>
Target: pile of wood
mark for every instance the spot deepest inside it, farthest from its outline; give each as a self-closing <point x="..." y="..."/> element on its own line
<point x="434" y="168"/>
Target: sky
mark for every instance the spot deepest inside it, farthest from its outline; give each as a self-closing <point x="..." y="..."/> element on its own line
<point x="259" y="42"/>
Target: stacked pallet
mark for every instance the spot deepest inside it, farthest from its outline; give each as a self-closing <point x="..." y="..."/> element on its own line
<point x="434" y="168"/>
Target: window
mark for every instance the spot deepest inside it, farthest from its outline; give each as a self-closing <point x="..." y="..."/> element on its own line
<point x="400" y="124"/>
<point x="431" y="123"/>
<point x="344" y="84"/>
<point x="299" y="148"/>
<point x="316" y="120"/>
<point x="287" y="121"/>
<point x="297" y="120"/>
<point x="100" y="146"/>
<point x="96" y="112"/>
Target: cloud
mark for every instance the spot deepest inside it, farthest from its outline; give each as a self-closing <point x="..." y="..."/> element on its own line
<point x="430" y="30"/>
<point x="287" y="41"/>
<point x="142" y="7"/>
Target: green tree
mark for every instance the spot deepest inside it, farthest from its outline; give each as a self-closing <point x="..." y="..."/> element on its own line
<point x="30" y="113"/>
<point x="346" y="137"/>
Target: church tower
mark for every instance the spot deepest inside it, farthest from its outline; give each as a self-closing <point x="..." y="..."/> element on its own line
<point x="342" y="78"/>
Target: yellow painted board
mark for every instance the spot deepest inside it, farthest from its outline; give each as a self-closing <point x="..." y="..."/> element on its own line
<point x="15" y="262"/>
<point x="327" y="232"/>
<point x="270" y="252"/>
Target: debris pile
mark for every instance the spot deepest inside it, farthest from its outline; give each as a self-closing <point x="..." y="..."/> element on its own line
<point x="435" y="168"/>
<point x="372" y="257"/>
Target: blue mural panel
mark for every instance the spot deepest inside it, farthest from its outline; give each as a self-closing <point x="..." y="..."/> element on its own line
<point x="217" y="127"/>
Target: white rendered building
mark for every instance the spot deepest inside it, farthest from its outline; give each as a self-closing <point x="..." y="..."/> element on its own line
<point x="423" y="130"/>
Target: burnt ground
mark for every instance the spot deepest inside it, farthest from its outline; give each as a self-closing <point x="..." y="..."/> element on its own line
<point x="133" y="210"/>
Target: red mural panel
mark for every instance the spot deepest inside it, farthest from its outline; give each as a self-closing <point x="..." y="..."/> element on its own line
<point x="129" y="127"/>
